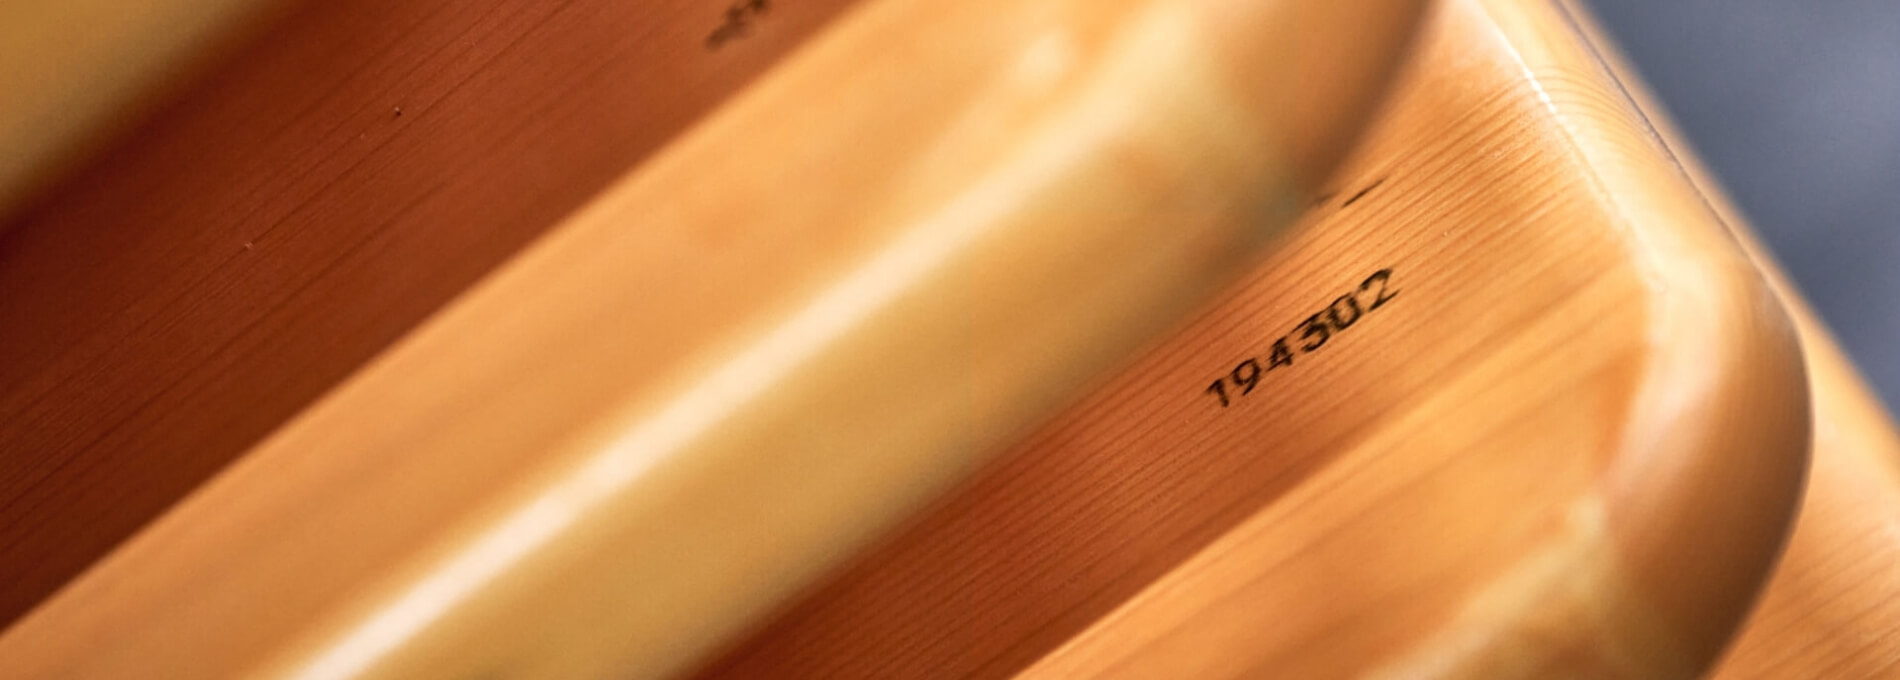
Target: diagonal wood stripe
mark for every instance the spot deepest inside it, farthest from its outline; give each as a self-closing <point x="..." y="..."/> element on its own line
<point x="309" y="201"/>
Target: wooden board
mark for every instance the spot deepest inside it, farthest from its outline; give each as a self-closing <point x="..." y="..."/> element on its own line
<point x="1570" y="445"/>
<point x="1832" y="608"/>
<point x="298" y="209"/>
<point x="686" y="400"/>
<point x="1140" y="532"/>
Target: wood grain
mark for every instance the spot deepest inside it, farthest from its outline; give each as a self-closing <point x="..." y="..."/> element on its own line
<point x="804" y="317"/>
<point x="1832" y="609"/>
<point x="1570" y="446"/>
<point x="297" y="210"/>
<point x="1343" y="517"/>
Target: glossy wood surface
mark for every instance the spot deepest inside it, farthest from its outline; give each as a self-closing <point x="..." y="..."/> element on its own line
<point x="1145" y="532"/>
<point x="297" y="210"/>
<point x="1832" y="608"/>
<point x="1570" y="446"/>
<point x="670" y="413"/>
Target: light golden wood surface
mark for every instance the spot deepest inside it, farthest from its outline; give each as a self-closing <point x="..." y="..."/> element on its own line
<point x="1832" y="609"/>
<point x="807" y="315"/>
<point x="1651" y="568"/>
<point x="1570" y="446"/>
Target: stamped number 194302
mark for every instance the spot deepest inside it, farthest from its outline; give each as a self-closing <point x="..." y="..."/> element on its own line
<point x="1306" y="337"/>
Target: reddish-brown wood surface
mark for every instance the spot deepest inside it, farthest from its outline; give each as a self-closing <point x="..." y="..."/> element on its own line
<point x="295" y="211"/>
<point x="1093" y="158"/>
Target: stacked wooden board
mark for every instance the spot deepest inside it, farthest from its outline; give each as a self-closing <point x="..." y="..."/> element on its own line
<point x="1518" y="399"/>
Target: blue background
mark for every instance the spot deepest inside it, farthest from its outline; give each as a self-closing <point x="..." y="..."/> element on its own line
<point x="1796" y="106"/>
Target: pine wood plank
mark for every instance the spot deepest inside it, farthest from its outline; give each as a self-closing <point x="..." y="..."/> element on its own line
<point x="630" y="441"/>
<point x="1571" y="445"/>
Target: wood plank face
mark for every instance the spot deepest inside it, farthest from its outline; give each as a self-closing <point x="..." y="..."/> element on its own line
<point x="1457" y="483"/>
<point x="803" y="319"/>
<point x="1150" y="470"/>
<point x="1520" y="397"/>
<point x="1832" y="607"/>
<point x="301" y="207"/>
